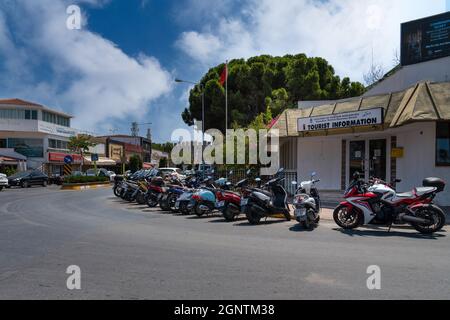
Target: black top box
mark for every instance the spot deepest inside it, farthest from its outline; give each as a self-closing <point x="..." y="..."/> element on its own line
<point x="434" y="182"/>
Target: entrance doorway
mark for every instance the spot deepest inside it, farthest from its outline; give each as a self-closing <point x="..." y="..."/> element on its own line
<point x="369" y="158"/>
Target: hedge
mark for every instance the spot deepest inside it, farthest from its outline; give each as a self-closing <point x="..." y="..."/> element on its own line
<point x="84" y="179"/>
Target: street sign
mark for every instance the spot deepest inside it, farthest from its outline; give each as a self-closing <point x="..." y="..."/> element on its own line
<point x="94" y="157"/>
<point x="68" y="159"/>
<point x="67" y="170"/>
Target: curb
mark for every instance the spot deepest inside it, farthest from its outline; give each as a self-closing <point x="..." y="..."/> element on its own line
<point x="85" y="187"/>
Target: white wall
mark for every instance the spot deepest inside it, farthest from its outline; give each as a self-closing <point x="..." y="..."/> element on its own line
<point x="435" y="70"/>
<point x="418" y="141"/>
<point x="322" y="155"/>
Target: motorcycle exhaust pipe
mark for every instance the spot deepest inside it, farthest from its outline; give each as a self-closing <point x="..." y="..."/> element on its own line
<point x="414" y="219"/>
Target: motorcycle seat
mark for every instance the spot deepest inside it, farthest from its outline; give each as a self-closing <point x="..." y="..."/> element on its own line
<point x="425" y="190"/>
<point x="267" y="193"/>
<point x="406" y="195"/>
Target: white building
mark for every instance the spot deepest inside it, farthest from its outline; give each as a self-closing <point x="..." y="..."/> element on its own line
<point x="37" y="132"/>
<point x="399" y="129"/>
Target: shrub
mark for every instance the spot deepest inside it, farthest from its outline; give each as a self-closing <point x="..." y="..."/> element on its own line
<point x="84" y="179"/>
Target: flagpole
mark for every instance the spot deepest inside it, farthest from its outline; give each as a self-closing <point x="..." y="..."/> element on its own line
<point x="226" y="109"/>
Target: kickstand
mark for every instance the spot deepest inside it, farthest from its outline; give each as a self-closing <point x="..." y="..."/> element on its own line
<point x="390" y="226"/>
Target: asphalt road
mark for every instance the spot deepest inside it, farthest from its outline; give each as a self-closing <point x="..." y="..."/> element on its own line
<point x="126" y="251"/>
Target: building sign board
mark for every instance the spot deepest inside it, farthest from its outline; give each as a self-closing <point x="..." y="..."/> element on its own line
<point x="368" y="117"/>
<point x="425" y="39"/>
<point x="60" y="157"/>
<point x="116" y="152"/>
<point x="397" y="152"/>
<point x="57" y="130"/>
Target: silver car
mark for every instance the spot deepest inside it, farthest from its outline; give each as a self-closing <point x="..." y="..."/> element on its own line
<point x="3" y="181"/>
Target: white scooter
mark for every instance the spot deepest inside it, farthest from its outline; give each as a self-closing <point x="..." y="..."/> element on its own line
<point x="307" y="203"/>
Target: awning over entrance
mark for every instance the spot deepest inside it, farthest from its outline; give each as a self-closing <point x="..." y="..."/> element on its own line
<point x="423" y="102"/>
<point x="102" y="161"/>
<point x="11" y="154"/>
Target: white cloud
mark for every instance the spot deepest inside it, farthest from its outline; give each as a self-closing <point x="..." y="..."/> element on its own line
<point x="343" y="32"/>
<point x="91" y="76"/>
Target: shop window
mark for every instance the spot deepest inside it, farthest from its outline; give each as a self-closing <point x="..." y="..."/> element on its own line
<point x="443" y="144"/>
<point x="33" y="148"/>
<point x="57" y="144"/>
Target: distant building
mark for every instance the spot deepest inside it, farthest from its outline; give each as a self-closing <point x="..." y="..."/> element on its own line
<point x="121" y="147"/>
<point x="36" y="132"/>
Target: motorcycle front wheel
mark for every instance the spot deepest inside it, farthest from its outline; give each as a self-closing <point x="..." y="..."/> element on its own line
<point x="252" y="217"/>
<point x="436" y="216"/>
<point x="140" y="198"/>
<point x="346" y="219"/>
<point x="199" y="212"/>
<point x="229" y="214"/>
<point x="117" y="191"/>
<point x="172" y="200"/>
<point x="163" y="204"/>
<point x="152" y="203"/>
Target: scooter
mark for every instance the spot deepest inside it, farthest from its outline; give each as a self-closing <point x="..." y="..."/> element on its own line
<point x="380" y="204"/>
<point x="204" y="201"/>
<point x="269" y="201"/>
<point x="185" y="198"/>
<point x="307" y="203"/>
<point x="156" y="189"/>
<point x="229" y="202"/>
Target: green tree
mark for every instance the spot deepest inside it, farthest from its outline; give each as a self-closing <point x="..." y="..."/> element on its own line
<point x="278" y="102"/>
<point x="135" y="163"/>
<point x="163" y="163"/>
<point x="80" y="144"/>
<point x="265" y="81"/>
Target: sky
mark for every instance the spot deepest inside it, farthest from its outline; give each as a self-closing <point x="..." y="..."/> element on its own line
<point x="121" y="65"/>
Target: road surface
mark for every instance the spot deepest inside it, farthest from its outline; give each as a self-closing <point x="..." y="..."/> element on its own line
<point x="127" y="251"/>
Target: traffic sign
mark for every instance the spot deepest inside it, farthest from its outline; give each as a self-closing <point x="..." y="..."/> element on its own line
<point x="68" y="159"/>
<point x="67" y="170"/>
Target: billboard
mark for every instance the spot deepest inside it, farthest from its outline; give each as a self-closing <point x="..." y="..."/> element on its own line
<point x="425" y="39"/>
<point x="341" y="120"/>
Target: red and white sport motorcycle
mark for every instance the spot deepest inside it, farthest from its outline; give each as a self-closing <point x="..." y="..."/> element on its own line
<point x="378" y="203"/>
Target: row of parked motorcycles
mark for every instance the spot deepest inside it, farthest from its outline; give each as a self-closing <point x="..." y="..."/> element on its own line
<point x="365" y="203"/>
<point x="201" y="196"/>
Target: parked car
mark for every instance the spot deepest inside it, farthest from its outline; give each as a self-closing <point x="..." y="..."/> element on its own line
<point x="27" y="179"/>
<point x="100" y="172"/>
<point x="173" y="171"/>
<point x="3" y="181"/>
<point x="111" y="175"/>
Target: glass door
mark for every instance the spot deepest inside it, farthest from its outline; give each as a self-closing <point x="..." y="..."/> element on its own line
<point x="357" y="158"/>
<point x="369" y="158"/>
<point x="377" y="158"/>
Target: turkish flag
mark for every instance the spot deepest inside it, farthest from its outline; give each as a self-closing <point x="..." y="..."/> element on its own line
<point x="224" y="75"/>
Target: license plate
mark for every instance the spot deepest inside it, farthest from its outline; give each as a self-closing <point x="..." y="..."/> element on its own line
<point x="300" y="212"/>
<point x="244" y="202"/>
<point x="220" y="204"/>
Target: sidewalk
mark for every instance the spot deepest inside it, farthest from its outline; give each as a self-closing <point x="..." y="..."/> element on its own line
<point x="327" y="213"/>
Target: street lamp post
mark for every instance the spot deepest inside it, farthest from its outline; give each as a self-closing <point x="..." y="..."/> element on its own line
<point x="202" y="88"/>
